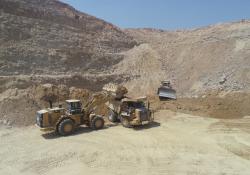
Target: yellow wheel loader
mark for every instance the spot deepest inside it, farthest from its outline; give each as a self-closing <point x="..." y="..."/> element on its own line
<point x="64" y="121"/>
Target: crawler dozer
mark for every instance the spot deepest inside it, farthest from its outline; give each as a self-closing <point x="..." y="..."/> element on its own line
<point x="64" y="121"/>
<point x="165" y="91"/>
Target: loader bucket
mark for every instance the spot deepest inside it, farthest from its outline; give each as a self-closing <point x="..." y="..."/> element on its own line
<point x="167" y="93"/>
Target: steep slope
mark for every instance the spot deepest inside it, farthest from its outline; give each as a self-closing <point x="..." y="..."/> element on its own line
<point x="50" y="37"/>
<point x="143" y="65"/>
<point x="215" y="57"/>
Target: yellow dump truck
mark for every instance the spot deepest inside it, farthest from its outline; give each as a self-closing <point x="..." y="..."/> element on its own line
<point x="130" y="112"/>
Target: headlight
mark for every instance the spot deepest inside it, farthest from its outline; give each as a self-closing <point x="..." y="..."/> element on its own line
<point x="39" y="119"/>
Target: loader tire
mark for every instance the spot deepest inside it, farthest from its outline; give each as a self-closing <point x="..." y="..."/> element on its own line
<point x="125" y="122"/>
<point x="66" y="127"/>
<point x="97" y="123"/>
<point x="112" y="116"/>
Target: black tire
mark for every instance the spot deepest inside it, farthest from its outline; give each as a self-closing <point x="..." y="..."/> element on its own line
<point x="112" y="116"/>
<point x="125" y="122"/>
<point x="66" y="127"/>
<point x="97" y="123"/>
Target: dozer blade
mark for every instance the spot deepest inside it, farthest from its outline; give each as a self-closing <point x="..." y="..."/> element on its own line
<point x="167" y="93"/>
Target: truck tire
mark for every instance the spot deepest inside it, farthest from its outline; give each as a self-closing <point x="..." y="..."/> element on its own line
<point x="66" y="127"/>
<point x="97" y="123"/>
<point x="112" y="116"/>
<point x="125" y="122"/>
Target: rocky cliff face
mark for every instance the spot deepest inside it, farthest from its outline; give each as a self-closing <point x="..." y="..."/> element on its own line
<point x="50" y="37"/>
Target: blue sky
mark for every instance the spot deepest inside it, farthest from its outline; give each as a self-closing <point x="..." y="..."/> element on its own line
<point x="164" y="14"/>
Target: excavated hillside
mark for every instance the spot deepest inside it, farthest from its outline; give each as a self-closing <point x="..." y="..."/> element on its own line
<point x="210" y="58"/>
<point x="51" y="37"/>
<point x="51" y="42"/>
<point x="48" y="46"/>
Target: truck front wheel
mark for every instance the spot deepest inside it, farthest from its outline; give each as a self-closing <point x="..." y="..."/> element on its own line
<point x="125" y="122"/>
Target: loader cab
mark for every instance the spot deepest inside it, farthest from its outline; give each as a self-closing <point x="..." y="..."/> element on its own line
<point x="74" y="106"/>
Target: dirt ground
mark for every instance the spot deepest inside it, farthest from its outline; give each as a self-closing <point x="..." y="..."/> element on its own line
<point x="221" y="105"/>
<point x="175" y="144"/>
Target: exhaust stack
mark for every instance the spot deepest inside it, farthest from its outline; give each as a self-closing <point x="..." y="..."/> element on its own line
<point x="50" y="104"/>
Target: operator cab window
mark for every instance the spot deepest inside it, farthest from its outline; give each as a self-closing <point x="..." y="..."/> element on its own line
<point x="75" y="107"/>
